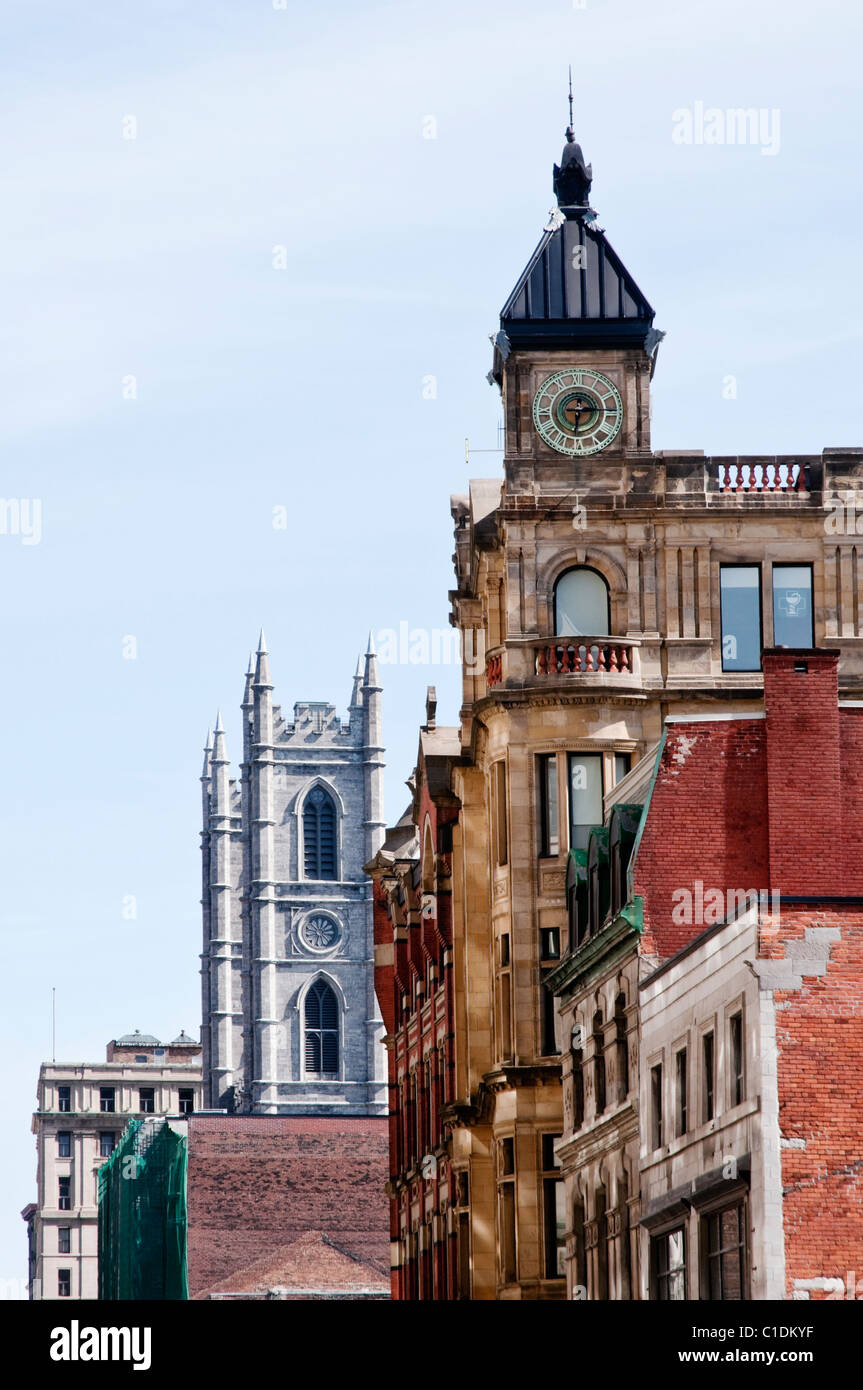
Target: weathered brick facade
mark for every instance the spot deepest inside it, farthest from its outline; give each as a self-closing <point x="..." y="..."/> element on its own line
<point x="258" y="1184"/>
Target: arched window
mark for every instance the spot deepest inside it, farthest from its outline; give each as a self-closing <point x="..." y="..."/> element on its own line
<point x="322" y="1030"/>
<point x="581" y="604"/>
<point x="319" y="835"/>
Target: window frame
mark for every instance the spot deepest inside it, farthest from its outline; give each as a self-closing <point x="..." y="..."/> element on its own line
<point x="107" y="1100"/>
<point x="742" y="565"/>
<point x="318" y="1031"/>
<point x="681" y="1090"/>
<point x="64" y="1100"/>
<point x="555" y="615"/>
<point x="794" y="565"/>
<point x="548" y="774"/>
<point x="64" y="1192"/>
<point x="736" y="1068"/>
<point x="708" y="1081"/>
<point x="64" y="1240"/>
<point x="310" y="805"/>
<point x="706" y="1214"/>
<point x="64" y="1143"/>
<point x="64" y="1283"/>
<point x="104" y="1136"/>
<point x="657" y="1275"/>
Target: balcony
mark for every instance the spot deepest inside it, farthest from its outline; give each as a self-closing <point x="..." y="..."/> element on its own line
<point x="585" y="660"/>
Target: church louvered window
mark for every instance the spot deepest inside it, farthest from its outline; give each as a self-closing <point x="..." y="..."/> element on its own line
<point x="319" y="835"/>
<point x="322" y="1030"/>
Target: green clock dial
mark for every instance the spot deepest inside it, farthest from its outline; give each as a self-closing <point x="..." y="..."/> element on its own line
<point x="578" y="411"/>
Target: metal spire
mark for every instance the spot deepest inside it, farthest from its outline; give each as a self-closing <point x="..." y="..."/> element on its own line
<point x="570" y="98"/>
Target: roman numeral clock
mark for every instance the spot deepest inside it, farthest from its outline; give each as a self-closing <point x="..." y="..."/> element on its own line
<point x="578" y="411"/>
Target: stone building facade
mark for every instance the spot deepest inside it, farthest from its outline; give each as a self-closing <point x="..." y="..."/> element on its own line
<point x="83" y="1109"/>
<point x="290" y="1020"/>
<point x="412" y="875"/>
<point x="601" y="587"/>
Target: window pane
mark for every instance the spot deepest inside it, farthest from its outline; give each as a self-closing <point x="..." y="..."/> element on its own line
<point x="585" y="796"/>
<point x="740" y="599"/>
<point x="792" y="606"/>
<point x="621" y="766"/>
<point x="581" y="605"/>
<point x="549" y="842"/>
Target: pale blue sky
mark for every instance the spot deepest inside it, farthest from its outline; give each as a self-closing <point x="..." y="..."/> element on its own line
<point x="259" y="387"/>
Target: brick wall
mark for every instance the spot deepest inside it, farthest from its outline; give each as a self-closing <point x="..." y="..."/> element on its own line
<point x="707" y="822"/>
<point x="819" y="1034"/>
<point x="256" y="1183"/>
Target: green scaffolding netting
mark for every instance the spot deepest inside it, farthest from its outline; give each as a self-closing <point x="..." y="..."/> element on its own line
<point x="142" y="1215"/>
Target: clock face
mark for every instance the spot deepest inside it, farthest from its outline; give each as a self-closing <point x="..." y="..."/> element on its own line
<point x="578" y="411"/>
<point x="319" y="932"/>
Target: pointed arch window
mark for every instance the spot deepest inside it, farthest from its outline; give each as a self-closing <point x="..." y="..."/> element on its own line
<point x="581" y="604"/>
<point x="319" y="835"/>
<point x="322" y="1030"/>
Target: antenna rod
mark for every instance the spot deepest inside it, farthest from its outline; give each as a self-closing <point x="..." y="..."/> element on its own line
<point x="570" y="97"/>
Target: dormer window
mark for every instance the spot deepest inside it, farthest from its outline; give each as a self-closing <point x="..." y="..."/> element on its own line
<point x="581" y="604"/>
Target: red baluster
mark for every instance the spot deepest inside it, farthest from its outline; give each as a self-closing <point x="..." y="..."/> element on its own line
<point x="542" y="661"/>
<point x="600" y="658"/>
<point x="624" y="660"/>
<point x="588" y="652"/>
<point x="612" y="665"/>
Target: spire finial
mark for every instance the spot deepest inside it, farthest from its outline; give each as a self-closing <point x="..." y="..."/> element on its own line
<point x="570" y="100"/>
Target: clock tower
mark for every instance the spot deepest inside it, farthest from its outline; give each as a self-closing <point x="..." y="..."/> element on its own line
<point x="575" y="351"/>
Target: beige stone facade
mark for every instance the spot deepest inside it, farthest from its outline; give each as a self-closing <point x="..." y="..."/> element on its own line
<point x="83" y="1109"/>
<point x="658" y="528"/>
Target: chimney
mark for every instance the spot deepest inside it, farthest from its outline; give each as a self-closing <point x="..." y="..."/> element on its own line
<point x="801" y="702"/>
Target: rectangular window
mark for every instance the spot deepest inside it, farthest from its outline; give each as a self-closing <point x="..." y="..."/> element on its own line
<point x="740" y="607"/>
<point x="549" y="943"/>
<point x="107" y="1140"/>
<point x="64" y="1099"/>
<point x="577" y="1087"/>
<point x="187" y="1101"/>
<point x="64" y="1194"/>
<point x="147" y="1100"/>
<point x="708" y="1075"/>
<point x="656" y="1106"/>
<point x="554" y="1213"/>
<point x="506" y="1210"/>
<point x="792" y="606"/>
<point x="585" y="796"/>
<point x="725" y="1243"/>
<point x="64" y="1240"/>
<point x="64" y="1143"/>
<point x="549" y="839"/>
<point x="507" y="1232"/>
<point x="598" y="1062"/>
<point x="548" y="1015"/>
<point x="680" y="1091"/>
<point x="668" y="1266"/>
<point x="554" y="1208"/>
<point x="621" y="766"/>
<point x="64" y="1283"/>
<point x="106" y="1099"/>
<point x="735" y="1039"/>
<point x="500" y="838"/>
<point x="505" y="994"/>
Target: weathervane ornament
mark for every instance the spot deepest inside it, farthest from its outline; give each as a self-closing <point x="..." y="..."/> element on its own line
<point x="572" y="177"/>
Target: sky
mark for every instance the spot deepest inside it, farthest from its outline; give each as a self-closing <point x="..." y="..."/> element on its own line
<point x="251" y="255"/>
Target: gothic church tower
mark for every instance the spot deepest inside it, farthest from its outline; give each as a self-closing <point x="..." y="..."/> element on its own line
<point x="290" y="1020"/>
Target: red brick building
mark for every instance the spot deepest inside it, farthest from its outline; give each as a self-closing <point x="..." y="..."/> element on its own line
<point x="262" y="1221"/>
<point x="762" y="987"/>
<point x="415" y="987"/>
